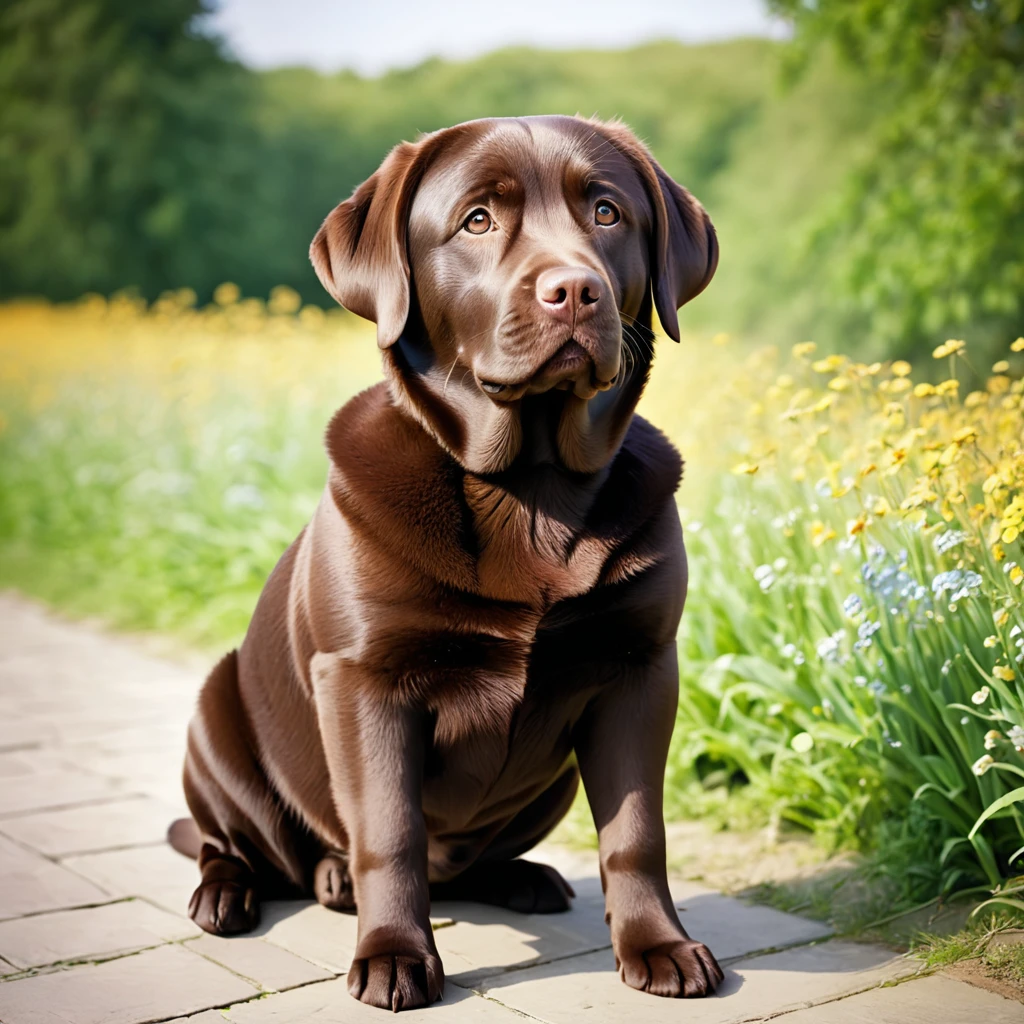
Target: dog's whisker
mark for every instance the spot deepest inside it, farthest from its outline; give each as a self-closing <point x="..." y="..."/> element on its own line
<point x="444" y="390"/>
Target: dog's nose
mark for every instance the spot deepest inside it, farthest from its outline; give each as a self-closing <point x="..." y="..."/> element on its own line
<point x="569" y="293"/>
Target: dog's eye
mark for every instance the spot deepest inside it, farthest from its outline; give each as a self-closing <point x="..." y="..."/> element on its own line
<point x="606" y="214"/>
<point x="478" y="222"/>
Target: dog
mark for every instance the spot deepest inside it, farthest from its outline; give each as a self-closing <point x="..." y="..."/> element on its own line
<point x="483" y="608"/>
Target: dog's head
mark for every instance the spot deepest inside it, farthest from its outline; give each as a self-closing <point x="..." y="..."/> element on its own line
<point x="512" y="267"/>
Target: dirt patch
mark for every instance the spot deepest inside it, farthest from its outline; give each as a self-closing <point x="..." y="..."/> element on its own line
<point x="977" y="973"/>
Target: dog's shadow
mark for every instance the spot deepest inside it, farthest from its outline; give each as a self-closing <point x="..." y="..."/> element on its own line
<point x="528" y="960"/>
<point x="487" y="948"/>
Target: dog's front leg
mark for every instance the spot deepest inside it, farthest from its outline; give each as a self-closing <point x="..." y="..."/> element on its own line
<point x="375" y="750"/>
<point x="622" y="747"/>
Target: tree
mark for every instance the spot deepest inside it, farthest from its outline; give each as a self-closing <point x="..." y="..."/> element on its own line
<point x="928" y="237"/>
<point x="123" y="140"/>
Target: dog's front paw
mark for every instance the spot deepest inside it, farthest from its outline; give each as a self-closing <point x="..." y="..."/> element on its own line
<point x="682" y="968"/>
<point x="396" y="981"/>
<point x="225" y="907"/>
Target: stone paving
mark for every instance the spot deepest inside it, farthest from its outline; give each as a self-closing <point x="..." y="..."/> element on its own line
<point x="92" y="902"/>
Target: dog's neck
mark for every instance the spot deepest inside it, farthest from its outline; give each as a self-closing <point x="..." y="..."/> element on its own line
<point x="488" y="438"/>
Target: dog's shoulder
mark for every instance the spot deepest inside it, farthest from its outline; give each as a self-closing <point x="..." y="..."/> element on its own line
<point x="398" y="487"/>
<point x="642" y="479"/>
<point x="635" y="511"/>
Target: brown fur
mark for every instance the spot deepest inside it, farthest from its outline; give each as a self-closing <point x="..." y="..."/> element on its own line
<point x="484" y="605"/>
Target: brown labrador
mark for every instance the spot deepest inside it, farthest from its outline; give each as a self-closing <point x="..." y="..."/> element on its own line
<point x="484" y="606"/>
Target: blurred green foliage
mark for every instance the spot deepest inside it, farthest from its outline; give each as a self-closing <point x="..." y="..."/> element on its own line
<point x="126" y="147"/>
<point x="134" y="152"/>
<point x="877" y="197"/>
<point x="926" y="237"/>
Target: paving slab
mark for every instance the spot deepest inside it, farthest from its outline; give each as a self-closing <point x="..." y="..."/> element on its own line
<point x="107" y="826"/>
<point x="157" y="873"/>
<point x="30" y="884"/>
<point x="731" y="928"/>
<point x="89" y="933"/>
<point x="485" y="941"/>
<point x="159" y="983"/>
<point x="490" y="940"/>
<point x="314" y="933"/>
<point x="22" y="732"/>
<point x="21" y="764"/>
<point x="330" y="1003"/>
<point x="934" y="1000"/>
<point x="588" y="987"/>
<point x="268" y="966"/>
<point x="57" y="789"/>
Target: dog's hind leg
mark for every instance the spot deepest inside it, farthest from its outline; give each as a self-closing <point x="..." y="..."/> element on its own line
<point x="250" y="847"/>
<point x="498" y="878"/>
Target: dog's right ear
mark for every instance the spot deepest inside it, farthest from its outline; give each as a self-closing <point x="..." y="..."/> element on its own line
<point x="359" y="253"/>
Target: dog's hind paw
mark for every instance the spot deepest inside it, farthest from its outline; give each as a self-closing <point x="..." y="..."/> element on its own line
<point x="519" y="885"/>
<point x="332" y="883"/>
<point x="224" y="908"/>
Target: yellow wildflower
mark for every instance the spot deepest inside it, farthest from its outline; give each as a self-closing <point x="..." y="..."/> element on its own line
<point x="947" y="387"/>
<point x="924" y="391"/>
<point x="1001" y="617"/>
<point x="881" y="508"/>
<point x="948" y="348"/>
<point x="1017" y="346"/>
<point x="1003" y="672"/>
<point x="855" y="526"/>
<point x="1001" y="367"/>
<point x="803" y="349"/>
<point x="1010" y="534"/>
<point x="227" y="294"/>
<point x="828" y="365"/>
<point x="820" y="533"/>
<point x="749" y="468"/>
<point x="901" y="368"/>
<point x="1016" y="575"/>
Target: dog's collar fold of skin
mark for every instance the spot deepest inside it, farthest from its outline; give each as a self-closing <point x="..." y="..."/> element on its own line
<point x="486" y="437"/>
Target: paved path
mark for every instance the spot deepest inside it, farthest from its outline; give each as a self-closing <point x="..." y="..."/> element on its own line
<point x="92" y="902"/>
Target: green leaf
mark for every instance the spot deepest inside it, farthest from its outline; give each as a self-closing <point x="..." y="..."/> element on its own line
<point x="1015" y="796"/>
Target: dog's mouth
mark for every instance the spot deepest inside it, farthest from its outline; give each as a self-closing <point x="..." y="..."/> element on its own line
<point x="571" y="368"/>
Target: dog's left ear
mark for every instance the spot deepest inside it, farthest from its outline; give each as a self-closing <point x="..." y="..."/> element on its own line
<point x="684" y="246"/>
<point x="360" y="252"/>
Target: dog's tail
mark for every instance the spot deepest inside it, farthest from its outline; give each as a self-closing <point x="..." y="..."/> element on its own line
<point x="184" y="836"/>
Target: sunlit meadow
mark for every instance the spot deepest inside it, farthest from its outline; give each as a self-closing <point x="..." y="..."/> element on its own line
<point x="852" y="649"/>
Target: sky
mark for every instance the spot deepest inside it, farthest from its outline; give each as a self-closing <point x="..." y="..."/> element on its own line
<point x="373" y="36"/>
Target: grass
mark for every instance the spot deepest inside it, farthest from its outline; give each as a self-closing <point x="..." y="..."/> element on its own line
<point x="979" y="943"/>
<point x="852" y="649"/>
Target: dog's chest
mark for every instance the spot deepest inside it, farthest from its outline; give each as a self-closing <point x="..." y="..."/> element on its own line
<point x="529" y="550"/>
